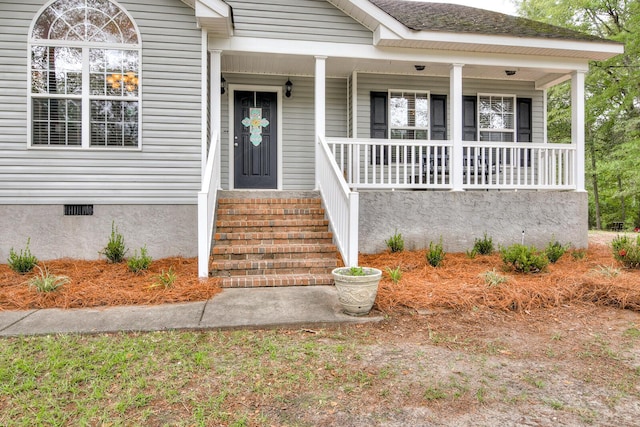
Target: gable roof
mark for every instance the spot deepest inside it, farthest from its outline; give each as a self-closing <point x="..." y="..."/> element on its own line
<point x="452" y="18"/>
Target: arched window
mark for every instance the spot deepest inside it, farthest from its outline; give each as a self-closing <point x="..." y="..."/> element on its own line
<point x="84" y="76"/>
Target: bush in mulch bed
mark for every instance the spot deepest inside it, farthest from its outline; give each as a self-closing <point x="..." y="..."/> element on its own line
<point x="101" y="283"/>
<point x="459" y="283"/>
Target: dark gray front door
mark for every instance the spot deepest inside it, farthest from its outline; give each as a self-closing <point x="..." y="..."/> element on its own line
<point x="255" y="140"/>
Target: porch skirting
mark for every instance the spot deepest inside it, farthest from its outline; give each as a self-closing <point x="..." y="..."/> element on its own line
<point x="461" y="217"/>
<point x="166" y="230"/>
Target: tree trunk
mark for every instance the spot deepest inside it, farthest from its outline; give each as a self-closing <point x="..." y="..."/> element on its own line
<point x="623" y="209"/>
<point x="596" y="196"/>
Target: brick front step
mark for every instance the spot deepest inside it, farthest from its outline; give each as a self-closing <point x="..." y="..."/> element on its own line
<point x="268" y="201"/>
<point x="255" y="252"/>
<point x="277" y="280"/>
<point x="266" y="225"/>
<point x="274" y="238"/>
<point x="272" y="211"/>
<point x="271" y="241"/>
<point x="276" y="266"/>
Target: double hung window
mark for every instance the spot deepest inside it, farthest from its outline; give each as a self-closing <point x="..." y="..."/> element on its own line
<point x="84" y="76"/>
<point x="496" y="117"/>
<point x="409" y="115"/>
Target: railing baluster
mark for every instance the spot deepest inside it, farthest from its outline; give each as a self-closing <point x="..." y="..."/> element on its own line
<point x="389" y="164"/>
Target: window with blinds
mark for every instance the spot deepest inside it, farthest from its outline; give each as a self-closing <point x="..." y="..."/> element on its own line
<point x="496" y="117"/>
<point x="409" y="115"/>
<point x="84" y="76"/>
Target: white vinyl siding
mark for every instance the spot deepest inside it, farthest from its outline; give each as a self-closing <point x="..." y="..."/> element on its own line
<point x="298" y="126"/>
<point x="166" y="170"/>
<point x="310" y="20"/>
<point x="440" y="86"/>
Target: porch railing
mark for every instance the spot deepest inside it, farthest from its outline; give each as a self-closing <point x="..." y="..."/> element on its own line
<point x="207" y="198"/>
<point x="341" y="204"/>
<point x="393" y="164"/>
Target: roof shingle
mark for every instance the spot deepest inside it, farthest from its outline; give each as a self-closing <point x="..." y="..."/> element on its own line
<point x="452" y="18"/>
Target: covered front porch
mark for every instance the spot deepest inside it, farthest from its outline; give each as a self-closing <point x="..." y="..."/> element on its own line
<point x="356" y="162"/>
<point x="465" y="117"/>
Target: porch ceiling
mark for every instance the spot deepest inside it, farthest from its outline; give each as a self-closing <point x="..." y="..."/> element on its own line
<point x="289" y="65"/>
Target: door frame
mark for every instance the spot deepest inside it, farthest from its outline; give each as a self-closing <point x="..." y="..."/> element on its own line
<point x="231" y="126"/>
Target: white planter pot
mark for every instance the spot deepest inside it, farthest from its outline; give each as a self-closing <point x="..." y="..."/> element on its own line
<point x="357" y="293"/>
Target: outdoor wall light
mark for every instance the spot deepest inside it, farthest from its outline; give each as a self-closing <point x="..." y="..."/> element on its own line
<point x="510" y="72"/>
<point x="223" y="85"/>
<point x="419" y="67"/>
<point x="288" y="86"/>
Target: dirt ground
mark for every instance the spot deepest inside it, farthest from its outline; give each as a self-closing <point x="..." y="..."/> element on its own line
<point x="570" y="366"/>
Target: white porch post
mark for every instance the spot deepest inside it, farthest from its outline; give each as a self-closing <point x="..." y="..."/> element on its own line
<point x="320" y="95"/>
<point x="577" y="125"/>
<point x="355" y="150"/>
<point x="214" y="93"/>
<point x="455" y="103"/>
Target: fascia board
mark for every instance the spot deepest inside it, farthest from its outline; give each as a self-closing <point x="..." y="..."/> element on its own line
<point x="383" y="33"/>
<point x="605" y="47"/>
<point x="212" y="9"/>
<point x="357" y="51"/>
<point x="376" y="14"/>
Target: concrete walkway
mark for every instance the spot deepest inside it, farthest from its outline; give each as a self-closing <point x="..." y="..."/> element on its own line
<point x="286" y="307"/>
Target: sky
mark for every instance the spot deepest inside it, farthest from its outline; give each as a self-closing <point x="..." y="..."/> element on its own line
<point x="503" y="6"/>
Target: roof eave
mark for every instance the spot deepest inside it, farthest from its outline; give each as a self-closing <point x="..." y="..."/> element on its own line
<point x="591" y="50"/>
<point x="214" y="15"/>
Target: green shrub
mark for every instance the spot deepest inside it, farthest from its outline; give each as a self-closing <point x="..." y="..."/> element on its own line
<point x="620" y="242"/>
<point x="484" y="246"/>
<point x="578" y="254"/>
<point x="138" y="263"/>
<point x="472" y="253"/>
<point x="395" y="243"/>
<point x="47" y="282"/>
<point x="115" y="249"/>
<point x="24" y="262"/>
<point x="166" y="279"/>
<point x="435" y="254"/>
<point x="524" y="259"/>
<point x="626" y="251"/>
<point x="395" y="274"/>
<point x="492" y="278"/>
<point x="554" y="251"/>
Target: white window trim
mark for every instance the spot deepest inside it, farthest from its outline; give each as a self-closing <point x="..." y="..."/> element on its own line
<point x="86" y="96"/>
<point x="501" y="95"/>
<point x="390" y="128"/>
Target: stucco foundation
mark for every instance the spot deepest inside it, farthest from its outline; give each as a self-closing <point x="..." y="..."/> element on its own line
<point x="461" y="217"/>
<point x="166" y="230"/>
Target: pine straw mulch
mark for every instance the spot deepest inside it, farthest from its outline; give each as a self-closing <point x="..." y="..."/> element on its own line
<point x="457" y="284"/>
<point x="99" y="283"/>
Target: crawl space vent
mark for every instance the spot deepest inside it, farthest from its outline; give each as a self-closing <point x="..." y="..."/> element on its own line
<point x="75" y="210"/>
